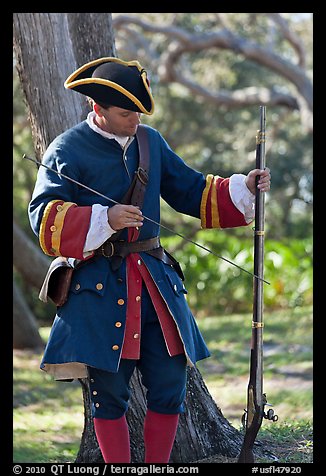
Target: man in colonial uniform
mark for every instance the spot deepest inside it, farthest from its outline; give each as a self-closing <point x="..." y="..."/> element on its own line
<point x="126" y="306"/>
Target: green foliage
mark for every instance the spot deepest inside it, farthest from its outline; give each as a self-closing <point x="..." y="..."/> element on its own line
<point x="216" y="286"/>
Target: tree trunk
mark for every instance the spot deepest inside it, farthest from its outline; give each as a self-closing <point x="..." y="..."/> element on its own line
<point x="25" y="329"/>
<point x="29" y="260"/>
<point x="32" y="265"/>
<point x="49" y="46"/>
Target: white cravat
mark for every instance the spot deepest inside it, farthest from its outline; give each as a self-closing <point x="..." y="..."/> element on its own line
<point x="122" y="140"/>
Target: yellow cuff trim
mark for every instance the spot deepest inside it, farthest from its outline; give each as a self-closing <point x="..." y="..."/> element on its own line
<point x="43" y="225"/>
<point x="58" y="223"/>
<point x="215" y="213"/>
<point x="203" y="203"/>
<point x="56" y="227"/>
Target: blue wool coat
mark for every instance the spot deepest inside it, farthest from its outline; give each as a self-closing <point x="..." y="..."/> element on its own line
<point x="84" y="328"/>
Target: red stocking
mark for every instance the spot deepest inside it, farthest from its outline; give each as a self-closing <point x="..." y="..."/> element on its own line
<point x="113" y="439"/>
<point x="159" y="434"/>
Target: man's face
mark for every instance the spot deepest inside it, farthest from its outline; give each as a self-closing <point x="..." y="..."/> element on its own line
<point x="117" y="120"/>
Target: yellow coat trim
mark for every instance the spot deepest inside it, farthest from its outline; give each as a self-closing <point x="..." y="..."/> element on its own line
<point x="58" y="223"/>
<point x="215" y="213"/>
<point x="43" y="225"/>
<point x="203" y="203"/>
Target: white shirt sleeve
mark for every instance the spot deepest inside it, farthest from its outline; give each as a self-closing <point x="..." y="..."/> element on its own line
<point x="241" y="196"/>
<point x="99" y="229"/>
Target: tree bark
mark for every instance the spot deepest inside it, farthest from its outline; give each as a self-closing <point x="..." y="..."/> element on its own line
<point x="48" y="48"/>
<point x="32" y="265"/>
<point x="29" y="260"/>
<point x="25" y="329"/>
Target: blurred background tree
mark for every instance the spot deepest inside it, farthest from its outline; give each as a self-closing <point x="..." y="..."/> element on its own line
<point x="209" y="72"/>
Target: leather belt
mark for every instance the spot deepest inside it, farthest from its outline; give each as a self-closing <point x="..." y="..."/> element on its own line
<point x="123" y="248"/>
<point x="118" y="250"/>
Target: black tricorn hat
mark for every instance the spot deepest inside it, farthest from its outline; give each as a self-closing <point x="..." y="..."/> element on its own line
<point x="114" y="82"/>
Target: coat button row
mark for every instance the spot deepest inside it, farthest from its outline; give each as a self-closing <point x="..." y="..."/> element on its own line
<point x="98" y="286"/>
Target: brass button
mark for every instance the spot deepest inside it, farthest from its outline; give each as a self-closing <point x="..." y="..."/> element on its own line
<point x="59" y="208"/>
<point x="92" y="380"/>
<point x="99" y="286"/>
<point x="138" y="298"/>
<point x="118" y="324"/>
<point x="95" y="392"/>
<point x="77" y="286"/>
<point x="121" y="302"/>
<point x="115" y="347"/>
<point x="97" y="405"/>
<point x="136" y="336"/>
<point x="53" y="228"/>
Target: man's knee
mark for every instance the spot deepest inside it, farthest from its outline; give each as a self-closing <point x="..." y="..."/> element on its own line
<point x="110" y="394"/>
<point x="166" y="388"/>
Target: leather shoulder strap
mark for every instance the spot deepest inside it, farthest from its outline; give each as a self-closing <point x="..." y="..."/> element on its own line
<point x="143" y="146"/>
<point x="142" y="174"/>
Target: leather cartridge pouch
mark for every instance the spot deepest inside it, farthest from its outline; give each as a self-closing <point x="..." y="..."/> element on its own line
<point x="57" y="281"/>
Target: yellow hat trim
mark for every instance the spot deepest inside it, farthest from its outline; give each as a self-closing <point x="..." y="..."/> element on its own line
<point x="70" y="83"/>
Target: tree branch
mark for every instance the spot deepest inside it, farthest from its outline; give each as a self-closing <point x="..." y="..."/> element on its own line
<point x="182" y="42"/>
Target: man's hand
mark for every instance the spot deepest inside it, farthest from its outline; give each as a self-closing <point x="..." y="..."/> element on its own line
<point x="122" y="216"/>
<point x="264" y="182"/>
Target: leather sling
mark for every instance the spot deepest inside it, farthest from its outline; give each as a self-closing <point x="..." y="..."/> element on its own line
<point x="115" y="249"/>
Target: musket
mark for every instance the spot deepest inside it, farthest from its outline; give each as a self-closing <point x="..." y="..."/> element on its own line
<point x="256" y="399"/>
<point x="144" y="216"/>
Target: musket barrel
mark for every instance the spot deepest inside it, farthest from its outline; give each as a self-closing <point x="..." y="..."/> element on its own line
<point x="255" y="397"/>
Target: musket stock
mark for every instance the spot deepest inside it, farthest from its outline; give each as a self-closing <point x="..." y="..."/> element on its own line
<point x="256" y="399"/>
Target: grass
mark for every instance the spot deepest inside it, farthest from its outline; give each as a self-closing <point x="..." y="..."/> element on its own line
<point x="48" y="415"/>
<point x="291" y="441"/>
<point x="288" y="355"/>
